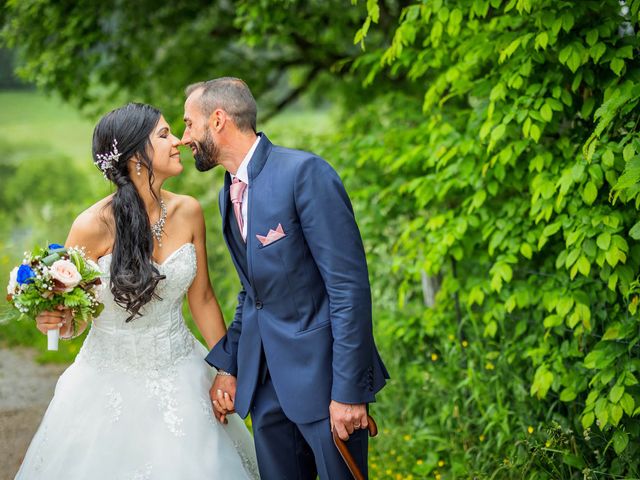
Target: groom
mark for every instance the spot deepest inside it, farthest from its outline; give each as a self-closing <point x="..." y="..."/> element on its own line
<point x="299" y="354"/>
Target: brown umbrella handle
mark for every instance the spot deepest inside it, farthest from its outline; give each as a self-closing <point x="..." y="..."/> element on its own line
<point x="346" y="454"/>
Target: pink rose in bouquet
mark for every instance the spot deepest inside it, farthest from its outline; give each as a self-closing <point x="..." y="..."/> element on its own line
<point x="65" y="276"/>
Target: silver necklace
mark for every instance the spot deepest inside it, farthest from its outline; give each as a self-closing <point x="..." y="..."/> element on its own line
<point x="157" y="229"/>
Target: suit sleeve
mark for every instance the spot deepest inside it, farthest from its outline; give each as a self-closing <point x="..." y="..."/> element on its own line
<point x="330" y="230"/>
<point x="224" y="354"/>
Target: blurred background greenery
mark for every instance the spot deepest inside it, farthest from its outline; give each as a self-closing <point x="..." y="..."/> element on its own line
<point x="491" y="151"/>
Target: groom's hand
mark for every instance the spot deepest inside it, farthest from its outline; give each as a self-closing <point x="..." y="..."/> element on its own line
<point x="345" y="418"/>
<point x="223" y="394"/>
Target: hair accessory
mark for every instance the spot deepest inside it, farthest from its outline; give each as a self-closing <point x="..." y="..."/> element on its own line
<point x="138" y="167"/>
<point x="106" y="160"/>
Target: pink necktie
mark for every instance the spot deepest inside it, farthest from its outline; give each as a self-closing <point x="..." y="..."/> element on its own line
<point x="236" y="192"/>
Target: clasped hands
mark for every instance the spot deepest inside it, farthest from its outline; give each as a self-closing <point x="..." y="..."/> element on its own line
<point x="223" y="394"/>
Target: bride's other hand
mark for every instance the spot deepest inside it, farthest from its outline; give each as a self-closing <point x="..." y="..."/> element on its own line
<point x="222" y="395"/>
<point x="51" y="320"/>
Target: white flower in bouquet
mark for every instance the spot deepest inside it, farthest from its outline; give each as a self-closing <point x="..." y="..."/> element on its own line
<point x="13" y="281"/>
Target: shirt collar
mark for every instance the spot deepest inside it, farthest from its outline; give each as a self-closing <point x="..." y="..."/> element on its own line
<point x="243" y="169"/>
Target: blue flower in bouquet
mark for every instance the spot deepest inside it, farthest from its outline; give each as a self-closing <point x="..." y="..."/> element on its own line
<point x="55" y="246"/>
<point x="25" y="274"/>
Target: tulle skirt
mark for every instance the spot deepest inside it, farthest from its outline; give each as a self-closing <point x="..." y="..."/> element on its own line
<point x="110" y="425"/>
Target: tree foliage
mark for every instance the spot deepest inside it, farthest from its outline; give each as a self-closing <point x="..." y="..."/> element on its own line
<point x="94" y="52"/>
<point x="514" y="178"/>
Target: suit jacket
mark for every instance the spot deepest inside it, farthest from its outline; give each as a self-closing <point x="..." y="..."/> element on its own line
<point x="305" y="299"/>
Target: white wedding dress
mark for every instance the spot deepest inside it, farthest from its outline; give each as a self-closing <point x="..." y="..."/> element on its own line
<point x="135" y="403"/>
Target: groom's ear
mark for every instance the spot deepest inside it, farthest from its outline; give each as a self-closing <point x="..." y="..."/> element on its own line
<point x="217" y="119"/>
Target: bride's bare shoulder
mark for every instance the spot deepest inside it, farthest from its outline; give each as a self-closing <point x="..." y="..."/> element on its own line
<point x="93" y="228"/>
<point x="185" y="206"/>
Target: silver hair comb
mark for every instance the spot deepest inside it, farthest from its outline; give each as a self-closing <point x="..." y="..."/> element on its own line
<point x="106" y="161"/>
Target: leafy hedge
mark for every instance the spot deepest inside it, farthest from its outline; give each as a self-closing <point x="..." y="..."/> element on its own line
<point x="504" y="168"/>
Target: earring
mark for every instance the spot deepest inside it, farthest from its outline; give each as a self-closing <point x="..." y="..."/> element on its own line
<point x="138" y="167"/>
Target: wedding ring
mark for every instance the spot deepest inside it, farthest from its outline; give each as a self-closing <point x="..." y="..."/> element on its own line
<point x="356" y="425"/>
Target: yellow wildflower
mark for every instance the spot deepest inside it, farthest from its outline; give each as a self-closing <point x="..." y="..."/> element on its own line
<point x="434" y="357"/>
<point x="465" y="344"/>
<point x="419" y="462"/>
<point x="407" y="438"/>
<point x="441" y="463"/>
<point x="481" y="438"/>
<point x="530" y="429"/>
<point x="489" y="366"/>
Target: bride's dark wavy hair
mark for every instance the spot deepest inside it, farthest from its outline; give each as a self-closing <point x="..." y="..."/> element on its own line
<point x="134" y="278"/>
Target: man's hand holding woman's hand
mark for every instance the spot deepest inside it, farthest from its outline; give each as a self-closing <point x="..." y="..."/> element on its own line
<point x="223" y="394"/>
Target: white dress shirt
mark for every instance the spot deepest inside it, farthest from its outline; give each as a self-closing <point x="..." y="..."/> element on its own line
<point x="243" y="175"/>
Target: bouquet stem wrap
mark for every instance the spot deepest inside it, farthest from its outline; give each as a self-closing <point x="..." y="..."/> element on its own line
<point x="52" y="339"/>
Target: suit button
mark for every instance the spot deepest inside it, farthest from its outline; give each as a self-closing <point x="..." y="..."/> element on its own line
<point x="258" y="305"/>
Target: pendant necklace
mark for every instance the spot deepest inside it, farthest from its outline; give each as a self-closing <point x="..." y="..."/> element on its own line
<point x="157" y="228"/>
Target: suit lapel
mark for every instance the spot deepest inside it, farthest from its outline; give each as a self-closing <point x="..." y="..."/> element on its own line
<point x="227" y="234"/>
<point x="224" y="201"/>
<point x="258" y="160"/>
<point x="257" y="163"/>
<point x="259" y="157"/>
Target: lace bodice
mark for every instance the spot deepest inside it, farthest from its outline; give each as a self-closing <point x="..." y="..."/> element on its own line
<point x="155" y="340"/>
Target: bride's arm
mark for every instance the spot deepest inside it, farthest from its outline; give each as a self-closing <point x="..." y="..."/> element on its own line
<point x="202" y="299"/>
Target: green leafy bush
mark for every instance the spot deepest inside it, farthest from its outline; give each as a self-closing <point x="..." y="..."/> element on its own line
<point x="507" y="175"/>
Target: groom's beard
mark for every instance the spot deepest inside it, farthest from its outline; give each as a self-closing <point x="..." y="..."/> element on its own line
<point x="207" y="153"/>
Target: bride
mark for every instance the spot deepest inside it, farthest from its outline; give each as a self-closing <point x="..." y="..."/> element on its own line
<point x="135" y="403"/>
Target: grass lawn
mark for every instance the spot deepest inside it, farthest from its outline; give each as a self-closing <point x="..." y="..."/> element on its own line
<point x="29" y="117"/>
<point x="37" y="119"/>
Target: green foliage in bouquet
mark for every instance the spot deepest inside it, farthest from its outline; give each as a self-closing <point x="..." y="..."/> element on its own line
<point x="43" y="288"/>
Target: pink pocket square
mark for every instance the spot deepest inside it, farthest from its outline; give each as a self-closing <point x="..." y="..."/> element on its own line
<point x="272" y="236"/>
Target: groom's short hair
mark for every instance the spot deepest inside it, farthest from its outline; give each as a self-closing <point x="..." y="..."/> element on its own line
<point x="231" y="95"/>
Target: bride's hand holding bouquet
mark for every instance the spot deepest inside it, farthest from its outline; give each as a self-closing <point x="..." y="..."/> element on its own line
<point x="56" y="286"/>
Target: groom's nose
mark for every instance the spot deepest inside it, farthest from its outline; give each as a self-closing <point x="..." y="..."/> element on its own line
<point x="186" y="138"/>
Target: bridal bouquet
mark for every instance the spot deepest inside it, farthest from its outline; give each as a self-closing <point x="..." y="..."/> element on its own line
<point x="54" y="276"/>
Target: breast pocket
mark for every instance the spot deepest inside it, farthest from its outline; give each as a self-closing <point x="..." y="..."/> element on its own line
<point x="273" y="242"/>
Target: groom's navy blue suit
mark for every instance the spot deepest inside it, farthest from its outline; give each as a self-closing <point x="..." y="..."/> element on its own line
<point x="302" y="333"/>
